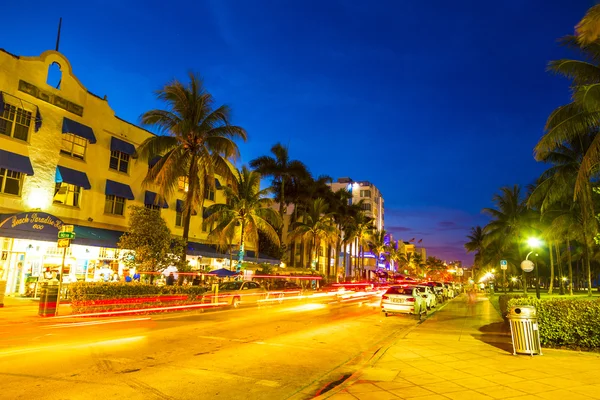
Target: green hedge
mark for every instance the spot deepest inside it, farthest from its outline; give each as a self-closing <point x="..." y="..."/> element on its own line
<point x="566" y="322"/>
<point x="503" y="302"/>
<point x="102" y="296"/>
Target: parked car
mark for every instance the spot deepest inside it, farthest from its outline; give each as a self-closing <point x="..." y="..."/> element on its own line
<point x="280" y="289"/>
<point x="403" y="300"/>
<point x="236" y="293"/>
<point x="430" y="297"/>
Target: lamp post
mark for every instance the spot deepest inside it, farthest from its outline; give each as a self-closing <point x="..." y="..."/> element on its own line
<point x="535" y="243"/>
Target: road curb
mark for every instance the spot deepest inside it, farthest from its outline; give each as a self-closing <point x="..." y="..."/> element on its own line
<point x="356" y="375"/>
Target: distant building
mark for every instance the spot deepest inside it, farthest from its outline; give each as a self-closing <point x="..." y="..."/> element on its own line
<point x="372" y="205"/>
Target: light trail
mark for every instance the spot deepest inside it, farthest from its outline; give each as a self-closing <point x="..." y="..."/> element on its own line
<point x="90" y="323"/>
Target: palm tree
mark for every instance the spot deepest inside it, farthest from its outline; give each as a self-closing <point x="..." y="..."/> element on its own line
<point x="510" y="225"/>
<point x="555" y="191"/>
<point x="282" y="170"/>
<point x="315" y="225"/>
<point x="588" y="29"/>
<point x="378" y="245"/>
<point x="418" y="262"/>
<point x="197" y="141"/>
<point x="363" y="228"/>
<point x="247" y="212"/>
<point x="476" y="245"/>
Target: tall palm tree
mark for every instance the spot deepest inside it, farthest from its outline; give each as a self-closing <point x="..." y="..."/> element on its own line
<point x="363" y="228"/>
<point x="282" y="170"/>
<point x="588" y="29"/>
<point x="476" y="245"/>
<point x="510" y="225"/>
<point x="247" y="212"/>
<point x="315" y="225"/>
<point x="555" y="191"/>
<point x="378" y="245"/>
<point x="196" y="142"/>
<point x="341" y="212"/>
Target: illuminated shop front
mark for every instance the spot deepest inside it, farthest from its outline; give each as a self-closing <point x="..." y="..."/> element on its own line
<point x="28" y="245"/>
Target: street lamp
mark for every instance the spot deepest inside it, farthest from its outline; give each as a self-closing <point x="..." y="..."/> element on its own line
<point x="533" y="244"/>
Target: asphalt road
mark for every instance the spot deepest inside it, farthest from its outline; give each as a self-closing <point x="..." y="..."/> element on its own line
<point x="273" y="352"/>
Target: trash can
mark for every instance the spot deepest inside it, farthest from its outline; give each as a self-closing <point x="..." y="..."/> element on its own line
<point x="524" y="330"/>
<point x="48" y="299"/>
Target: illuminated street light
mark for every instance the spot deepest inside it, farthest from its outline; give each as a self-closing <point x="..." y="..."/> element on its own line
<point x="533" y="244"/>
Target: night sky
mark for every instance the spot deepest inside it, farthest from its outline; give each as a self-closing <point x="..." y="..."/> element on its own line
<point x="438" y="103"/>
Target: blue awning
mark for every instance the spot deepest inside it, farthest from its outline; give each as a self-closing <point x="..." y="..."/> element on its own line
<point x="15" y="162"/>
<point x="152" y="162"/>
<point x="88" y="236"/>
<point x="150" y="199"/>
<point x="118" y="189"/>
<point x="218" y="184"/>
<point x="78" y="129"/>
<point x="74" y="177"/>
<point x="122" y="146"/>
<point x="204" y="250"/>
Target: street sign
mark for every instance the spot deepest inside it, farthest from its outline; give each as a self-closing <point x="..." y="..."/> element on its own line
<point x="66" y="235"/>
<point x="527" y="265"/>
<point x="62" y="243"/>
<point x="67" y="228"/>
<point x="503" y="264"/>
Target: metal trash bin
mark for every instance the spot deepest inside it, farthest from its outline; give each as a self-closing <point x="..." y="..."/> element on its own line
<point x="48" y="299"/>
<point x="524" y="330"/>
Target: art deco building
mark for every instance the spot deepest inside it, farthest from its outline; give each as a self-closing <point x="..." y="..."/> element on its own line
<point x="67" y="158"/>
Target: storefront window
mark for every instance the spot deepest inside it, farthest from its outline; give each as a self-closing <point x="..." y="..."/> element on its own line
<point x="73" y="145"/>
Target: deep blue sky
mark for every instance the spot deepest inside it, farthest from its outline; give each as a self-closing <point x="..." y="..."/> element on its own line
<point x="438" y="103"/>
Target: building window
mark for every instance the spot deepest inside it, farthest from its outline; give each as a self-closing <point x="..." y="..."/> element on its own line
<point x="154" y="207"/>
<point x="15" y="122"/>
<point x="67" y="194"/>
<point x="365" y="193"/>
<point x="209" y="193"/>
<point x="119" y="161"/>
<point x="205" y="227"/>
<point x="10" y="181"/>
<point x="179" y="219"/>
<point x="366" y="206"/>
<point x="73" y="145"/>
<point x="114" y="205"/>
<point x="183" y="184"/>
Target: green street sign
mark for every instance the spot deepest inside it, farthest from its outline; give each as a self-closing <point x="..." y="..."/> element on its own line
<point x="66" y="235"/>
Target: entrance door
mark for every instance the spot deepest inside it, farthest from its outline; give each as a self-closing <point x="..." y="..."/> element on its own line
<point x="16" y="274"/>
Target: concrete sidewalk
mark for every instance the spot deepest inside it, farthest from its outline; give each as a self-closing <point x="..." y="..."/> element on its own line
<point x="464" y="352"/>
<point x="18" y="310"/>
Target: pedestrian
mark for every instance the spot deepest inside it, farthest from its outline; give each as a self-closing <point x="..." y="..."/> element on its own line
<point x="170" y="279"/>
<point x="136" y="276"/>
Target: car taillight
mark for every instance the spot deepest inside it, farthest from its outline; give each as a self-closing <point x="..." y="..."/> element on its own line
<point x="384" y="297"/>
<point x="411" y="299"/>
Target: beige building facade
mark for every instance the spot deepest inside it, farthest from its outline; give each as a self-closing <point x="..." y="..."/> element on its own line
<point x="372" y="199"/>
<point x="67" y="158"/>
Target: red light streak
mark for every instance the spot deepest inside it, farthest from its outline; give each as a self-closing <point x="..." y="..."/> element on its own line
<point x="142" y="310"/>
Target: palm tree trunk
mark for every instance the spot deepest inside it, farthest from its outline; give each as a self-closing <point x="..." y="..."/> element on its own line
<point x="302" y="253"/>
<point x="523" y="273"/>
<point x="344" y="252"/>
<point x="570" y="267"/>
<point x="561" y="281"/>
<point x="241" y="255"/>
<point x="336" y="254"/>
<point x="551" y="286"/>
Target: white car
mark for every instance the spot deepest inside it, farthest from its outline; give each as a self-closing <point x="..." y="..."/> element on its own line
<point x="403" y="300"/>
<point x="427" y="293"/>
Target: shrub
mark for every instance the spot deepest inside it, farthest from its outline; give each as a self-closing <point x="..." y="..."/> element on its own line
<point x="102" y="296"/>
<point x="566" y="322"/>
<point x="503" y="302"/>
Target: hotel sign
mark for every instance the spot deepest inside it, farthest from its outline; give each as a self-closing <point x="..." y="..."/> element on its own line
<point x="49" y="97"/>
<point x="31" y="221"/>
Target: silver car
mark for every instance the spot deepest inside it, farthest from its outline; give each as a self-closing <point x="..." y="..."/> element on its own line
<point x="403" y="300"/>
